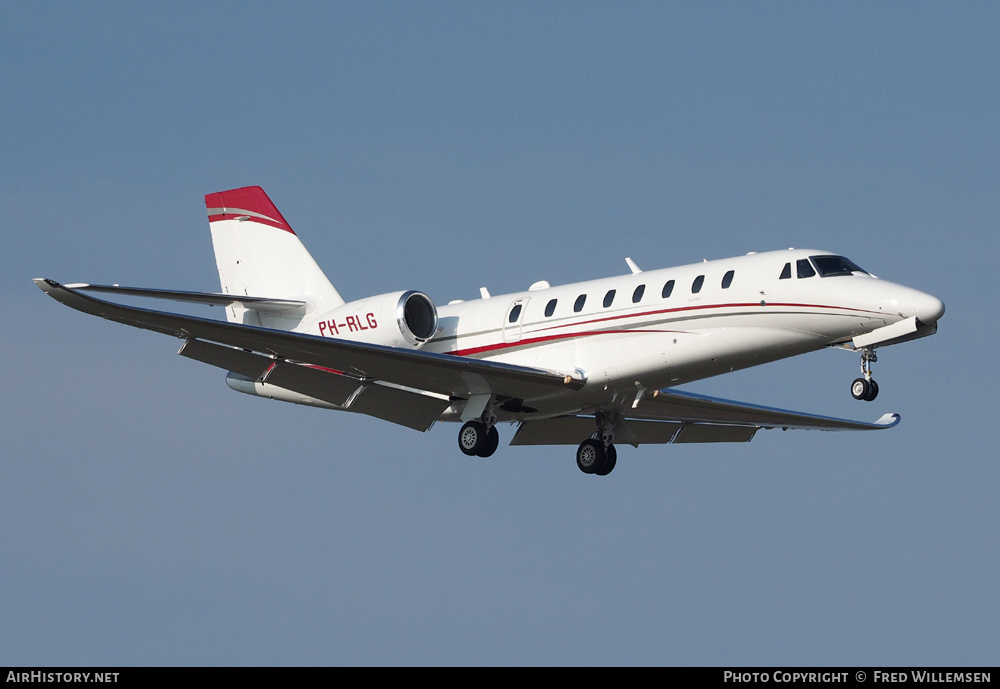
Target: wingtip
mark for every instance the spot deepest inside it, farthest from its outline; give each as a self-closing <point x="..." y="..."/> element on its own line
<point x="889" y="420"/>
<point x="52" y="288"/>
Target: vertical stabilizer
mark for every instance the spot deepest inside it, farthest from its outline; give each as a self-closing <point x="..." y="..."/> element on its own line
<point x="259" y="255"/>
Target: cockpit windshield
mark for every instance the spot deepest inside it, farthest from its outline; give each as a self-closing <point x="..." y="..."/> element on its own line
<point x="829" y="266"/>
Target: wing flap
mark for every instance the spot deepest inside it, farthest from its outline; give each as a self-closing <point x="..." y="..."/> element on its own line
<point x="236" y="360"/>
<point x="404" y="407"/>
<point x="561" y="430"/>
<point x="572" y="430"/>
<point x="313" y="382"/>
<point x="714" y="433"/>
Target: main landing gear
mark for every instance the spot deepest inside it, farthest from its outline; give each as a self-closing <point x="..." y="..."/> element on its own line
<point x="476" y="440"/>
<point x="597" y="455"/>
<point x="479" y="438"/>
<point x="866" y="388"/>
<point x="593" y="458"/>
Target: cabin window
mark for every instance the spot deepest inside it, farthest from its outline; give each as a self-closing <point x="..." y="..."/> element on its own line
<point x="609" y="298"/>
<point x="667" y="289"/>
<point x="696" y="285"/>
<point x="804" y="268"/>
<point x="786" y="272"/>
<point x="727" y="279"/>
<point x="637" y="294"/>
<point x="515" y="313"/>
<point x="580" y="301"/>
<point x="550" y="308"/>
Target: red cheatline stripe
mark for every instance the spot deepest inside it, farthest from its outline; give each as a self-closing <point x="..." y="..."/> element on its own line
<point x="703" y="307"/>
<point x="547" y="338"/>
<point x="563" y="336"/>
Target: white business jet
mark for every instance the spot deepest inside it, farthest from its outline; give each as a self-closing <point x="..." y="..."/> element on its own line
<point x="587" y="364"/>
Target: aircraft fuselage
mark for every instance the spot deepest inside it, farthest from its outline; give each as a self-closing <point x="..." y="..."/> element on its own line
<point x="661" y="328"/>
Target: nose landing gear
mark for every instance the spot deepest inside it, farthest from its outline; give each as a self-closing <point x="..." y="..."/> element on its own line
<point x="866" y="388"/>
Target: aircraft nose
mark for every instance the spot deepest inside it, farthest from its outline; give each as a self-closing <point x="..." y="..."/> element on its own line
<point x="928" y="309"/>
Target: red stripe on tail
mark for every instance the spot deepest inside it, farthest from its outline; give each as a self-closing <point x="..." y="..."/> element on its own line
<point x="249" y="202"/>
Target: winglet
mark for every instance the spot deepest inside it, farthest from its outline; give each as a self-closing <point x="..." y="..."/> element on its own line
<point x="889" y="420"/>
<point x="45" y="284"/>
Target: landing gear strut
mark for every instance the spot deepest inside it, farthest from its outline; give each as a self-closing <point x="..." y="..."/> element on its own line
<point x="866" y="388"/>
<point x="597" y="455"/>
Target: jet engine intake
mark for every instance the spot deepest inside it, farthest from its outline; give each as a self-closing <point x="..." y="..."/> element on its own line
<point x="398" y="319"/>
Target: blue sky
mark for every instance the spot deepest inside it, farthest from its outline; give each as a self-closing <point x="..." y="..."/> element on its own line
<point x="149" y="515"/>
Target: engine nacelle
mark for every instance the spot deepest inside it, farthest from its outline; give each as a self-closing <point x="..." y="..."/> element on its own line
<point x="398" y="319"/>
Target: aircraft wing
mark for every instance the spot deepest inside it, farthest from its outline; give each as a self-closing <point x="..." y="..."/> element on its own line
<point x="689" y="407"/>
<point x="684" y="417"/>
<point x="354" y="375"/>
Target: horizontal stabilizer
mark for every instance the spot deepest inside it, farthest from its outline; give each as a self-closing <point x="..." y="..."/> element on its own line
<point x="209" y="298"/>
